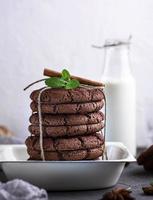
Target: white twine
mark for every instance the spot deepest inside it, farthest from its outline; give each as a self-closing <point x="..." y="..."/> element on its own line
<point x="105" y="150"/>
<point x="40" y="123"/>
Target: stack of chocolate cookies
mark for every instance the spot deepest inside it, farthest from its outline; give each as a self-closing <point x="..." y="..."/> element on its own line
<point x="71" y="123"/>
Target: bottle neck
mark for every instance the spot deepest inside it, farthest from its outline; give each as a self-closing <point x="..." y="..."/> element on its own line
<point x="116" y="63"/>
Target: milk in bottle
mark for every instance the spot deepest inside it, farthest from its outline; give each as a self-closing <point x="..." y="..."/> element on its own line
<point x="120" y="95"/>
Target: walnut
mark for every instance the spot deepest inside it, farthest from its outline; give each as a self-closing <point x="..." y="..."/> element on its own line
<point x="148" y="190"/>
<point x="4" y="131"/>
<point x="118" y="194"/>
<point x="146" y="159"/>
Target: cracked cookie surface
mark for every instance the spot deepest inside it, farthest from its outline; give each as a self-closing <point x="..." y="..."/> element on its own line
<point x="66" y="144"/>
<point x="69" y="131"/>
<point x="68" y="108"/>
<point x="65" y="120"/>
<point x="87" y="154"/>
<point x="60" y="95"/>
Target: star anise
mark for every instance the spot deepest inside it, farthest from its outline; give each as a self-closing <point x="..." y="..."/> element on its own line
<point x="118" y="194"/>
<point x="148" y="190"/>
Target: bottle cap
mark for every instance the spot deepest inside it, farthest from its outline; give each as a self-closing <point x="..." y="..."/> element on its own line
<point x="114" y="43"/>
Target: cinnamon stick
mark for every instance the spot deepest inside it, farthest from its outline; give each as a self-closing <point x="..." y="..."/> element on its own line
<point x="52" y="73"/>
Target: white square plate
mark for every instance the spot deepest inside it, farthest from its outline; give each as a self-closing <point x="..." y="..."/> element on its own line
<point x="66" y="175"/>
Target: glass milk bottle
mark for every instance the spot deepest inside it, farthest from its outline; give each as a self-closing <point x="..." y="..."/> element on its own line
<point x="120" y="95"/>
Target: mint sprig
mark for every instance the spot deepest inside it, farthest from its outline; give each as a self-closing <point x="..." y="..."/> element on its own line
<point x="72" y="84"/>
<point x="64" y="81"/>
<point x="65" y="75"/>
<point x="55" y="82"/>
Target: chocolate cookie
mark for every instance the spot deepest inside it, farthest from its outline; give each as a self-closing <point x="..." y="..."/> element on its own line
<point x="66" y="144"/>
<point x="146" y="159"/>
<point x="60" y="95"/>
<point x="88" y="154"/>
<point x="69" y="131"/>
<point x="87" y="107"/>
<point x="66" y="120"/>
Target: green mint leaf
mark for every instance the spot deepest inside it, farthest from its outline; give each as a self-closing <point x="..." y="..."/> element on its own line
<point x="72" y="84"/>
<point x="65" y="75"/>
<point x="64" y="81"/>
<point x="55" y="82"/>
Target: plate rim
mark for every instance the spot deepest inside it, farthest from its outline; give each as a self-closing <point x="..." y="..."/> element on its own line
<point x="130" y="158"/>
